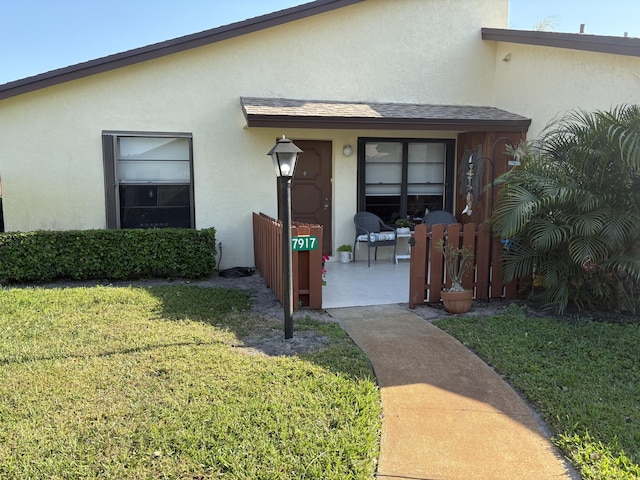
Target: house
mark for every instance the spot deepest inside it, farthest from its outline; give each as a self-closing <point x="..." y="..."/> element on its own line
<point x="385" y="98"/>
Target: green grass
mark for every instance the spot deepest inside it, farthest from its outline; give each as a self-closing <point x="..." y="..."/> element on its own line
<point x="133" y="383"/>
<point x="582" y="376"/>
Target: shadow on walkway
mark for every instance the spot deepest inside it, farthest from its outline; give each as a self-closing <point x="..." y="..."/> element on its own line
<point x="447" y="415"/>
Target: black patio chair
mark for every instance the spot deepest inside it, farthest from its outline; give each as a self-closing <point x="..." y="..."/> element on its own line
<point x="370" y="229"/>
<point x="439" y="216"/>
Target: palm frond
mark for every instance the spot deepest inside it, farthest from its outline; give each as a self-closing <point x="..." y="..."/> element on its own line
<point x="626" y="264"/>
<point x="621" y="227"/>
<point x="514" y="211"/>
<point x="545" y="235"/>
<point x="519" y="262"/>
<point x="587" y="249"/>
<point x="590" y="222"/>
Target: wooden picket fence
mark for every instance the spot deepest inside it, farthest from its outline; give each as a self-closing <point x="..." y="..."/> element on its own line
<point x="306" y="265"/>
<point x="428" y="274"/>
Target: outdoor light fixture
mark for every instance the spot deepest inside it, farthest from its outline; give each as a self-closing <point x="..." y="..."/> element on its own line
<point x="347" y="151"/>
<point x="285" y="155"/>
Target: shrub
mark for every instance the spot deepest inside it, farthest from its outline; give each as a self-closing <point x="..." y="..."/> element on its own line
<point x="572" y="212"/>
<point x="106" y="254"/>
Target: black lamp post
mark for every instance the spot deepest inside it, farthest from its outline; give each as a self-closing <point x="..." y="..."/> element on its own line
<point x="285" y="155"/>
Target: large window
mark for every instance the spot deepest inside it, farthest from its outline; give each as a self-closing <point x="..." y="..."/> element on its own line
<point x="400" y="178"/>
<point x="149" y="180"/>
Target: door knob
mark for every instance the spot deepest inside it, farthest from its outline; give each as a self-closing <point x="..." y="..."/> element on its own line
<point x="326" y="203"/>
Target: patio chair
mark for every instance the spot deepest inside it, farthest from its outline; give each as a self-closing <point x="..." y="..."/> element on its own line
<point x="439" y="216"/>
<point x="370" y="229"/>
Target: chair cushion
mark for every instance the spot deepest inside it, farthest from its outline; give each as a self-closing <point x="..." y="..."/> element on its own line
<point x="377" y="237"/>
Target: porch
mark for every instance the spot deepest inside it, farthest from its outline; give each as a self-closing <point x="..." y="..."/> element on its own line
<point x="354" y="284"/>
<point x="384" y="282"/>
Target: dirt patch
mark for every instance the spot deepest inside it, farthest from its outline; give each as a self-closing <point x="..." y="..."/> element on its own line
<point x="273" y="343"/>
<point x="270" y="340"/>
<point x="435" y="311"/>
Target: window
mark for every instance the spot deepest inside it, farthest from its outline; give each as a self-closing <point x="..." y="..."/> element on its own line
<point x="148" y="180"/>
<point x="400" y="178"/>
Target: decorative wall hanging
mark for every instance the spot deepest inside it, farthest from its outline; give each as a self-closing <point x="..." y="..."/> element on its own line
<point x="471" y="177"/>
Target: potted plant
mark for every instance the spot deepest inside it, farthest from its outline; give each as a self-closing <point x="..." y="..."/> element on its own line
<point x="404" y="226"/>
<point x="457" y="261"/>
<point x="345" y="253"/>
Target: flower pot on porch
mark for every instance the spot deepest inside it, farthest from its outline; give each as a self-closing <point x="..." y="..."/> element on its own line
<point x="346" y="257"/>
<point x="457" y="302"/>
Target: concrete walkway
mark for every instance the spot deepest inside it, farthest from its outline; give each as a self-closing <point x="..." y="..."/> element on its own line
<point x="447" y="415"/>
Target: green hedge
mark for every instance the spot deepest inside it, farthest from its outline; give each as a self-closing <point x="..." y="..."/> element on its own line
<point x="106" y="254"/>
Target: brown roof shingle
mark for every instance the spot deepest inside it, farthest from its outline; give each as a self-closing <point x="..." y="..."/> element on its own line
<point x="283" y="112"/>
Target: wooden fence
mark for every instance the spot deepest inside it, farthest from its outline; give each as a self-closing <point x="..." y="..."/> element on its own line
<point x="427" y="272"/>
<point x="306" y="265"/>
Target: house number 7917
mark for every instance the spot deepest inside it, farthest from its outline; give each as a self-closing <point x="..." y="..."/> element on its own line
<point x="304" y="243"/>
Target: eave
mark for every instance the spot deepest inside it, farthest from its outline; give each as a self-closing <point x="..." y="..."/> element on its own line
<point x="290" y="113"/>
<point x="575" y="41"/>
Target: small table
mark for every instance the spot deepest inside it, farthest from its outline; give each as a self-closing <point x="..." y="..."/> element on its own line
<point x="407" y="248"/>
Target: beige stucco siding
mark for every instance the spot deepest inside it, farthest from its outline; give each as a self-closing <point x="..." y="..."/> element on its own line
<point x="543" y="83"/>
<point x="422" y="51"/>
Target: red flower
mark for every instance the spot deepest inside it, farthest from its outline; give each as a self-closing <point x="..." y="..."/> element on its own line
<point x="324" y="270"/>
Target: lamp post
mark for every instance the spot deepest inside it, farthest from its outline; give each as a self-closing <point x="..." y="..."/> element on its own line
<point x="285" y="155"/>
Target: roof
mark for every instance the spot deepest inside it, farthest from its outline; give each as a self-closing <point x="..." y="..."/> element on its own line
<point x="575" y="41"/>
<point x="289" y="113"/>
<point x="157" y="50"/>
<point x="595" y="43"/>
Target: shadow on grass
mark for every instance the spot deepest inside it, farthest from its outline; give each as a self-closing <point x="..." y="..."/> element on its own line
<point x="124" y="351"/>
<point x="244" y="307"/>
<point x="260" y="333"/>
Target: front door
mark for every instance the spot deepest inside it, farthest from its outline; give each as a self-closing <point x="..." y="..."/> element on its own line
<point x="311" y="188"/>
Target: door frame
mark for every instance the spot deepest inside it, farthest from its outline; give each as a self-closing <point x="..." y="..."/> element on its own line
<point x="326" y="188"/>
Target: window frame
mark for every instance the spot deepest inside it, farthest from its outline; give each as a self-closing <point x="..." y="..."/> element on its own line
<point x="449" y="169"/>
<point x="110" y="164"/>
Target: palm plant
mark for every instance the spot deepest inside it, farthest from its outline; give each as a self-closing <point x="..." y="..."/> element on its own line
<point x="572" y="210"/>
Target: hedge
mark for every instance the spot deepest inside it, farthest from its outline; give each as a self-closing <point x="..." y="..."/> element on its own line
<point x="43" y="256"/>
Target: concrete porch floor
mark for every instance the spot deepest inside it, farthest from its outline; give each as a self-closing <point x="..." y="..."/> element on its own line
<point x="355" y="285"/>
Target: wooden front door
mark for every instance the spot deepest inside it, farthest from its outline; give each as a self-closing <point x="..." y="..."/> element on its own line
<point x="311" y="188"/>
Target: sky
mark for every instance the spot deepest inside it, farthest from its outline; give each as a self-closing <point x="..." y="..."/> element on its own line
<point x="41" y="35"/>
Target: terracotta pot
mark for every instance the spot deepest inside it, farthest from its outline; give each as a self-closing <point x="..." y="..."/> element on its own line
<point x="457" y="302"/>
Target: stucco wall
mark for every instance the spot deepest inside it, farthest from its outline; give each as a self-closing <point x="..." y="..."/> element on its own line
<point x="425" y="51"/>
<point x="543" y="83"/>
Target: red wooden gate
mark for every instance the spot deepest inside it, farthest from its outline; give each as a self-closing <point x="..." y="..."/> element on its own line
<point x="427" y="272"/>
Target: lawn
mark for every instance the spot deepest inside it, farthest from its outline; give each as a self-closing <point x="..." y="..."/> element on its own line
<point x="582" y="376"/>
<point x="134" y="383"/>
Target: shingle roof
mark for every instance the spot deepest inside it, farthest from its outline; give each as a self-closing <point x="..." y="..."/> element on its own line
<point x="282" y="112"/>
